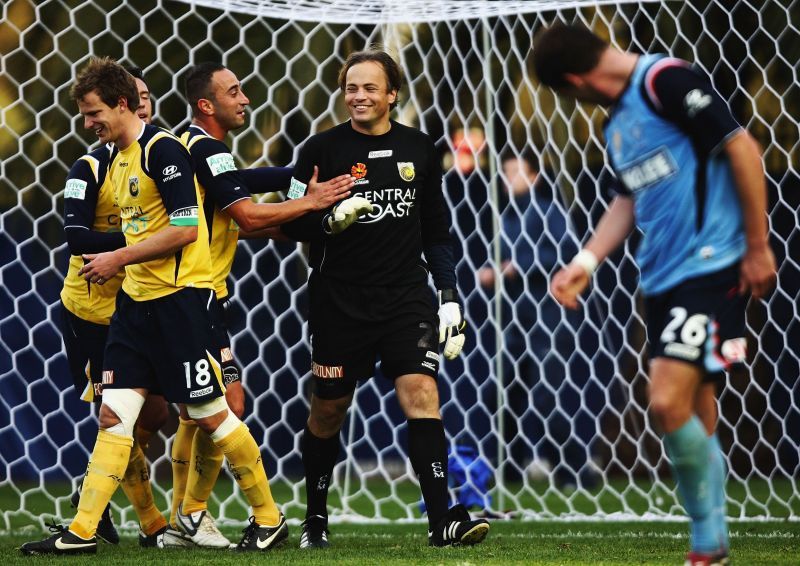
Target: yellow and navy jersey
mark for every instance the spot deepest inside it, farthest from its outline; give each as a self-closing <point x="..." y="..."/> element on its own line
<point x="91" y="225"/>
<point x="154" y="184"/>
<point x="222" y="185"/>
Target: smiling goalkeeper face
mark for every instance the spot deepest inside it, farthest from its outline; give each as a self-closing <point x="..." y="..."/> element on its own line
<point x="368" y="97"/>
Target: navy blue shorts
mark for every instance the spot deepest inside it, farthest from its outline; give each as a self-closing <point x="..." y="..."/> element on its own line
<point x="352" y="326"/>
<point x="701" y="322"/>
<point x="166" y="345"/>
<point x="84" y="343"/>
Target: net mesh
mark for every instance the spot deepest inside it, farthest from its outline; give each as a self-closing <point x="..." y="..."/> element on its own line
<point x="554" y="405"/>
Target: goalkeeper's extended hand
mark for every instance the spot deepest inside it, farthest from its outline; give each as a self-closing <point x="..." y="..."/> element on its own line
<point x="451" y="324"/>
<point x="345" y="213"/>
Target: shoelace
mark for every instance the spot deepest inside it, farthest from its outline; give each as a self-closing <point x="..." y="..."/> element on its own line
<point x="55" y="528"/>
<point x="249" y="532"/>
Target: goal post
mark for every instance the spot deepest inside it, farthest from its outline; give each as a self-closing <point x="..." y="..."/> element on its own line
<point x="554" y="404"/>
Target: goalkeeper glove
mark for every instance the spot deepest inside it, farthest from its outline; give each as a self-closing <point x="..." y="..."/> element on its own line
<point x="451" y="324"/>
<point x="345" y="213"/>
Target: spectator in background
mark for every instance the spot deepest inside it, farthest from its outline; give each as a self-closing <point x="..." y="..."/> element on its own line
<point x="465" y="188"/>
<point x="544" y="422"/>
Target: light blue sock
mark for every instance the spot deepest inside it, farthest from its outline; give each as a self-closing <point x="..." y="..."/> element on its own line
<point x="689" y="450"/>
<point x="718" y="473"/>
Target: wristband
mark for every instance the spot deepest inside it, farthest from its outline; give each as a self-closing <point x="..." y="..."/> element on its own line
<point x="587" y="260"/>
<point x="448" y="296"/>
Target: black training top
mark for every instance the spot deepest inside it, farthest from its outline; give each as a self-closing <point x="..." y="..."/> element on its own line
<point x="399" y="172"/>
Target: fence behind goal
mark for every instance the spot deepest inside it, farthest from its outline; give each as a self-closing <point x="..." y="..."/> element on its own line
<point x="553" y="403"/>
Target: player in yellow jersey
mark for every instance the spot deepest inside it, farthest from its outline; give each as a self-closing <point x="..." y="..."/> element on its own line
<point x="218" y="106"/>
<point x="91" y="225"/>
<point x="161" y="335"/>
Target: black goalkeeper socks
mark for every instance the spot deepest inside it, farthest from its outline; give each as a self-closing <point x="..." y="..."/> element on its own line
<point x="427" y="450"/>
<point x="319" y="457"/>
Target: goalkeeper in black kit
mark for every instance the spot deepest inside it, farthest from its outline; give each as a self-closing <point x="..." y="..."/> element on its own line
<point x="369" y="294"/>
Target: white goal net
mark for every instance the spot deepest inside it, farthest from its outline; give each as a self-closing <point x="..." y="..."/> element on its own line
<point x="551" y="407"/>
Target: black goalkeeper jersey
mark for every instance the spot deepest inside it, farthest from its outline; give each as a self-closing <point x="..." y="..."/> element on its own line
<point x="399" y="172"/>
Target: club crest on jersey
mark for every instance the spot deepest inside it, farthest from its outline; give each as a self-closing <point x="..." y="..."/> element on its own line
<point x="133" y="186"/>
<point x="406" y="169"/>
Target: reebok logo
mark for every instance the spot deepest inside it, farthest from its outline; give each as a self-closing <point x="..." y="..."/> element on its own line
<point x="379" y="154"/>
<point x="200" y="392"/>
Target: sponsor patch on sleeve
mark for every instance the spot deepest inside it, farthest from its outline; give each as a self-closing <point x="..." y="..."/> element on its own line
<point x="220" y="163"/>
<point x="186" y="216"/>
<point x="297" y="189"/>
<point x="75" y="188"/>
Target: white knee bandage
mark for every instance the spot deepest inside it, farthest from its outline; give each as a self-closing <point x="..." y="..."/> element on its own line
<point x="207" y="409"/>
<point x="204" y="410"/>
<point x="126" y="404"/>
<point x="227" y="426"/>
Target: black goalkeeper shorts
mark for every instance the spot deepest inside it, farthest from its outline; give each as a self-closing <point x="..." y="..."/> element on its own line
<point x="352" y="326"/>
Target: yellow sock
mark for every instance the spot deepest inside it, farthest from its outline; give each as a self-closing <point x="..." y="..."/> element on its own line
<point x="181" y="456"/>
<point x="103" y="475"/>
<point x="207" y="460"/>
<point x="244" y="459"/>
<point x="143" y="436"/>
<point x="136" y="486"/>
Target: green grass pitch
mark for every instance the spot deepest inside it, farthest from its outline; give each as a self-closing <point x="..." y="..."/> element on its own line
<point x="509" y="542"/>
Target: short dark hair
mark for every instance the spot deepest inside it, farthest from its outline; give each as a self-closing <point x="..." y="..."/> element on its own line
<point x="394" y="76"/>
<point x="562" y="49"/>
<point x="136" y="72"/>
<point x="109" y="79"/>
<point x="198" y="82"/>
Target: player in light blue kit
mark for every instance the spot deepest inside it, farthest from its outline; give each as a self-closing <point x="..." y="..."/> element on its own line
<point x="692" y="180"/>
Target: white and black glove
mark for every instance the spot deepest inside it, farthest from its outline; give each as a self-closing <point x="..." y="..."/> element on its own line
<point x="451" y="324"/>
<point x="345" y="213"/>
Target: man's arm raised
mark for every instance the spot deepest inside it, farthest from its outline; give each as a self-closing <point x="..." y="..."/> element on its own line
<point x="252" y="216"/>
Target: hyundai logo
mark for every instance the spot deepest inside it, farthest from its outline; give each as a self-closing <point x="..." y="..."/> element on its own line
<point x="170" y="169"/>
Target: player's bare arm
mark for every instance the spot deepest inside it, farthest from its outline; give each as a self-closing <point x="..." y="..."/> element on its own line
<point x="612" y="230"/>
<point x="251" y="216"/>
<point x="104" y="266"/>
<point x="758" y="268"/>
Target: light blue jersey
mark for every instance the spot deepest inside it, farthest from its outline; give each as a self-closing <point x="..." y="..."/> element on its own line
<point x="664" y="138"/>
